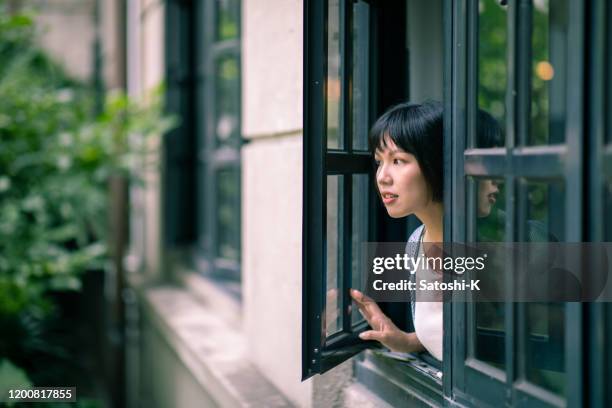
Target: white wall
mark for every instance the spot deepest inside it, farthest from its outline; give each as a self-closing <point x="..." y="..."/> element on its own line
<point x="60" y="23"/>
<point x="271" y="67"/>
<point x="272" y="58"/>
<point x="151" y="74"/>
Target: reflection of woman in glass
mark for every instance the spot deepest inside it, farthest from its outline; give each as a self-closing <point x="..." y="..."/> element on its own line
<point x="407" y="145"/>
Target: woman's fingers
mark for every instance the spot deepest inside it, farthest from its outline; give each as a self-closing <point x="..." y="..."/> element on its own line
<point x="372" y="335"/>
<point x="358" y="297"/>
<point x="369" y="307"/>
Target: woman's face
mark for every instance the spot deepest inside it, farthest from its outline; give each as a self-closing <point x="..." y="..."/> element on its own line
<point x="487" y="195"/>
<point x="400" y="182"/>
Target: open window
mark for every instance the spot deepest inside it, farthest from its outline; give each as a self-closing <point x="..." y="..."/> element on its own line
<point x="600" y="192"/>
<point x="338" y="194"/>
<point x="523" y="66"/>
<point x="520" y="65"/>
<point x="357" y="64"/>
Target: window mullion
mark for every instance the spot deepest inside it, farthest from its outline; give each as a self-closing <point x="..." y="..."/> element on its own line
<point x="313" y="224"/>
<point x="346" y="52"/>
<point x="523" y="54"/>
<point x="347" y="253"/>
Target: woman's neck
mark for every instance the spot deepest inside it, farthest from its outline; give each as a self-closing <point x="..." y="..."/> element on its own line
<point x="431" y="217"/>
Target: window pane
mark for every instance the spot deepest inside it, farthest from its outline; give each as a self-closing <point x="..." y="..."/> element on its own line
<point x="491" y="210"/>
<point x="228" y="213"/>
<point x="489" y="317"/>
<point x="228" y="19"/>
<point x="545" y="354"/>
<point x="608" y="211"/>
<point x="359" y="235"/>
<point x="334" y="100"/>
<point x="545" y="322"/>
<point x="545" y="211"/>
<point x="608" y="74"/>
<point x="227" y="98"/>
<point x="335" y="251"/>
<point x="548" y="92"/>
<point x="361" y="72"/>
<point x="492" y="71"/>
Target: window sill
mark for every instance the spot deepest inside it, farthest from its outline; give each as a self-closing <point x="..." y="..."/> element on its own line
<point x="209" y="292"/>
<point x="400" y="379"/>
<point x="213" y="351"/>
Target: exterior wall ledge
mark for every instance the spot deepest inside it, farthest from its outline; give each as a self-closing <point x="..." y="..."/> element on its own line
<point x="357" y="395"/>
<point x="213" y="351"/>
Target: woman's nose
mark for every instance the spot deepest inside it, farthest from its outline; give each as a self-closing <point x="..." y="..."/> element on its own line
<point x="383" y="177"/>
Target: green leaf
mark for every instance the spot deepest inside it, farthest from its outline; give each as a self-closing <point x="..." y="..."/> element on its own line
<point x="12" y="377"/>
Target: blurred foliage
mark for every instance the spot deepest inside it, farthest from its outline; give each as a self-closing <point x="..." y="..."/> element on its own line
<point x="493" y="65"/>
<point x="56" y="157"/>
<point x="492" y="50"/>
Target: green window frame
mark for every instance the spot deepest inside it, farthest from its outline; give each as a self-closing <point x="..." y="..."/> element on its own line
<point x="574" y="150"/>
<point x="321" y="352"/>
<point x="202" y="156"/>
<point x="578" y="161"/>
<point x="600" y="191"/>
<point x="178" y="157"/>
<point x="219" y="140"/>
<point x="333" y="30"/>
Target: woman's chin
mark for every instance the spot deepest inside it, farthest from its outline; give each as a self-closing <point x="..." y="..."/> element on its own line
<point x="396" y="214"/>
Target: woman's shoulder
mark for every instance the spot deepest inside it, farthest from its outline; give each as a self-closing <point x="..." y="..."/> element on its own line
<point x="413" y="242"/>
<point x="416" y="234"/>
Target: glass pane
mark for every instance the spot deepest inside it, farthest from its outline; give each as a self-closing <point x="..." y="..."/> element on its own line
<point x="545" y="211"/>
<point x="608" y="73"/>
<point x="492" y="73"/>
<point x="228" y="213"/>
<point x="549" y="52"/>
<point x="359" y="236"/>
<point x="489" y="317"/>
<point x="608" y="211"/>
<point x="361" y="72"/>
<point x="227" y="98"/>
<point x="491" y="210"/>
<point x="335" y="212"/>
<point x="545" y="322"/>
<point x="228" y="19"/>
<point x="334" y="82"/>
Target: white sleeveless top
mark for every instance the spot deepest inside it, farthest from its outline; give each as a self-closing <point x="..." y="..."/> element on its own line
<point x="428" y="315"/>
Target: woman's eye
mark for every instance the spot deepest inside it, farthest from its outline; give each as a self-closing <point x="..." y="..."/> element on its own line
<point x="398" y="161"/>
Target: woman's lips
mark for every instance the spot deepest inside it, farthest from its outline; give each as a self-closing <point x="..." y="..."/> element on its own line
<point x="389" y="198"/>
<point x="492" y="199"/>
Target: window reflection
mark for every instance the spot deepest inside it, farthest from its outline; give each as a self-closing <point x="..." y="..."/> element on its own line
<point x="608" y="211"/>
<point x="227" y="96"/>
<point x="548" y="88"/>
<point x="545" y="322"/>
<point x="334" y="100"/>
<point x="492" y="64"/>
<point x="361" y="72"/>
<point x="359" y="235"/>
<point x="489" y="317"/>
<point x="228" y="207"/>
<point x="488" y="322"/>
<point x="228" y="19"/>
<point x="334" y="247"/>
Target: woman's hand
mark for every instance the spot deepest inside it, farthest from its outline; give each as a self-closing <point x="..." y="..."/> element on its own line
<point x="383" y="329"/>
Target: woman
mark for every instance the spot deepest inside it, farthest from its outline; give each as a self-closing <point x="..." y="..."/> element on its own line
<point x="407" y="145"/>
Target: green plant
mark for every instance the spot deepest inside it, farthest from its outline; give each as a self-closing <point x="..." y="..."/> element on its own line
<point x="56" y="157"/>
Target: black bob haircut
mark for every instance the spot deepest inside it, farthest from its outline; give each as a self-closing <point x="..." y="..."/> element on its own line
<point x="416" y="129"/>
<point x="489" y="133"/>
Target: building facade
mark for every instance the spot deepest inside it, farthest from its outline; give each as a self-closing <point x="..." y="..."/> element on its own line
<point x="265" y="193"/>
